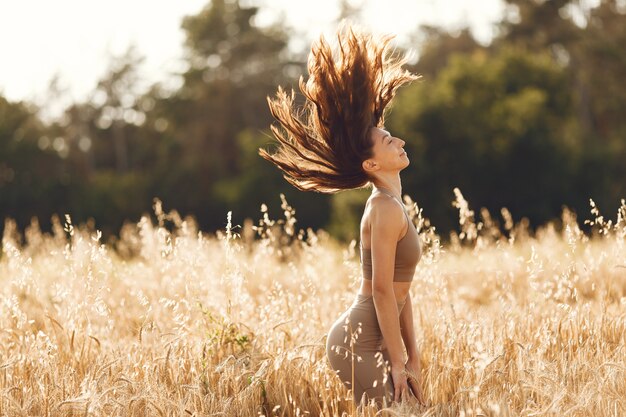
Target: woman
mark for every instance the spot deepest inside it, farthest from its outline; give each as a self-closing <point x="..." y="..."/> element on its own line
<point x="339" y="143"/>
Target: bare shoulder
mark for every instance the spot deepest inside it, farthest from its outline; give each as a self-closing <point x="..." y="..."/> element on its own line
<point x="386" y="216"/>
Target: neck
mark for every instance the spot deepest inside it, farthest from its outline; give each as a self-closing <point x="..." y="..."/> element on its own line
<point x="392" y="185"/>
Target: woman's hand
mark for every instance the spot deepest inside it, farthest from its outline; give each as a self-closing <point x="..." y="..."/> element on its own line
<point x="414" y="371"/>
<point x="400" y="384"/>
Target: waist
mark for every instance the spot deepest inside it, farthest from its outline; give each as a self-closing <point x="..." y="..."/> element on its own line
<point x="367" y="299"/>
<point x="400" y="290"/>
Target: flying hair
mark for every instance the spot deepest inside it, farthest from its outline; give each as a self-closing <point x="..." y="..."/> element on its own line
<point x="322" y="145"/>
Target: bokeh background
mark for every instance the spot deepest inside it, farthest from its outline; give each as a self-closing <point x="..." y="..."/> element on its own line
<point x="105" y="107"/>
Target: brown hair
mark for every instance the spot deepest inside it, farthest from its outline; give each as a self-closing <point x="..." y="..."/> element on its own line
<point x="324" y="144"/>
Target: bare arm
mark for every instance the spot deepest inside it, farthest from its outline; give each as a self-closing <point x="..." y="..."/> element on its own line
<point x="413" y="364"/>
<point x="407" y="329"/>
<point x="387" y="222"/>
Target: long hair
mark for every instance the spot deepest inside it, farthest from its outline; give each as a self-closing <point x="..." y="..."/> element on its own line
<point x="322" y="145"/>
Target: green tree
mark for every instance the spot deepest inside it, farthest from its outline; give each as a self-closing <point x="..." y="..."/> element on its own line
<point x="33" y="179"/>
<point x="588" y="42"/>
<point x="496" y="127"/>
<point x="109" y="154"/>
<point x="436" y="47"/>
<point x="233" y="65"/>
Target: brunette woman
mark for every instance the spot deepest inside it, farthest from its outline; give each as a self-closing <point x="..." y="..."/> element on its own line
<point x="337" y="143"/>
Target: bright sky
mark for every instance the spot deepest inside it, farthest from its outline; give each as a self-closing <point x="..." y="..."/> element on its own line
<point x="75" y="38"/>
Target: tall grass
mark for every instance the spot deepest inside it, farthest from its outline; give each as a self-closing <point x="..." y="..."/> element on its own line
<point x="170" y="321"/>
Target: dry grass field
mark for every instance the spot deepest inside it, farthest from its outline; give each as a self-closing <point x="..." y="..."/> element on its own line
<point x="169" y="321"/>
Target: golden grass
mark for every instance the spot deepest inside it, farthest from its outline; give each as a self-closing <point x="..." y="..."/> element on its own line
<point x="168" y="321"/>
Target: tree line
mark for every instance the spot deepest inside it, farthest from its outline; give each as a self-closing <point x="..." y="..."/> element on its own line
<point x="532" y="122"/>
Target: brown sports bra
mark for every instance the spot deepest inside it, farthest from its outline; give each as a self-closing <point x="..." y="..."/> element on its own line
<point x="408" y="253"/>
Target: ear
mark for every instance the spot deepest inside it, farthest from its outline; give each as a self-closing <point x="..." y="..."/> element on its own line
<point x="369" y="165"/>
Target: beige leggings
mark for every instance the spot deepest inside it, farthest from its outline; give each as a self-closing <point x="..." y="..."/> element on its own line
<point x="351" y="350"/>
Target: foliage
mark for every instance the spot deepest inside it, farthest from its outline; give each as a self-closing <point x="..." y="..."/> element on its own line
<point x="532" y="122"/>
<point x="32" y="181"/>
<point x="508" y="144"/>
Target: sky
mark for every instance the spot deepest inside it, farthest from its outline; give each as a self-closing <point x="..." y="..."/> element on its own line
<point x="75" y="39"/>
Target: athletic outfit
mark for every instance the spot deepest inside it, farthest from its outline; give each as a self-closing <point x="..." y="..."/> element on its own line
<point x="365" y="362"/>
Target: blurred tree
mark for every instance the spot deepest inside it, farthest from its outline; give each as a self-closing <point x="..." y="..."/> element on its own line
<point x="531" y="122"/>
<point x="116" y="95"/>
<point x="109" y="156"/>
<point x="33" y="180"/>
<point x="233" y="64"/>
<point x="588" y="41"/>
<point x="350" y="10"/>
<point x="436" y="47"/>
<point x="99" y="130"/>
<point x="346" y="212"/>
<point x="494" y="126"/>
<point x="604" y="55"/>
<point x="539" y="23"/>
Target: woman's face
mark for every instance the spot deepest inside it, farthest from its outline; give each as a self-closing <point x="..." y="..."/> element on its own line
<point x="388" y="152"/>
